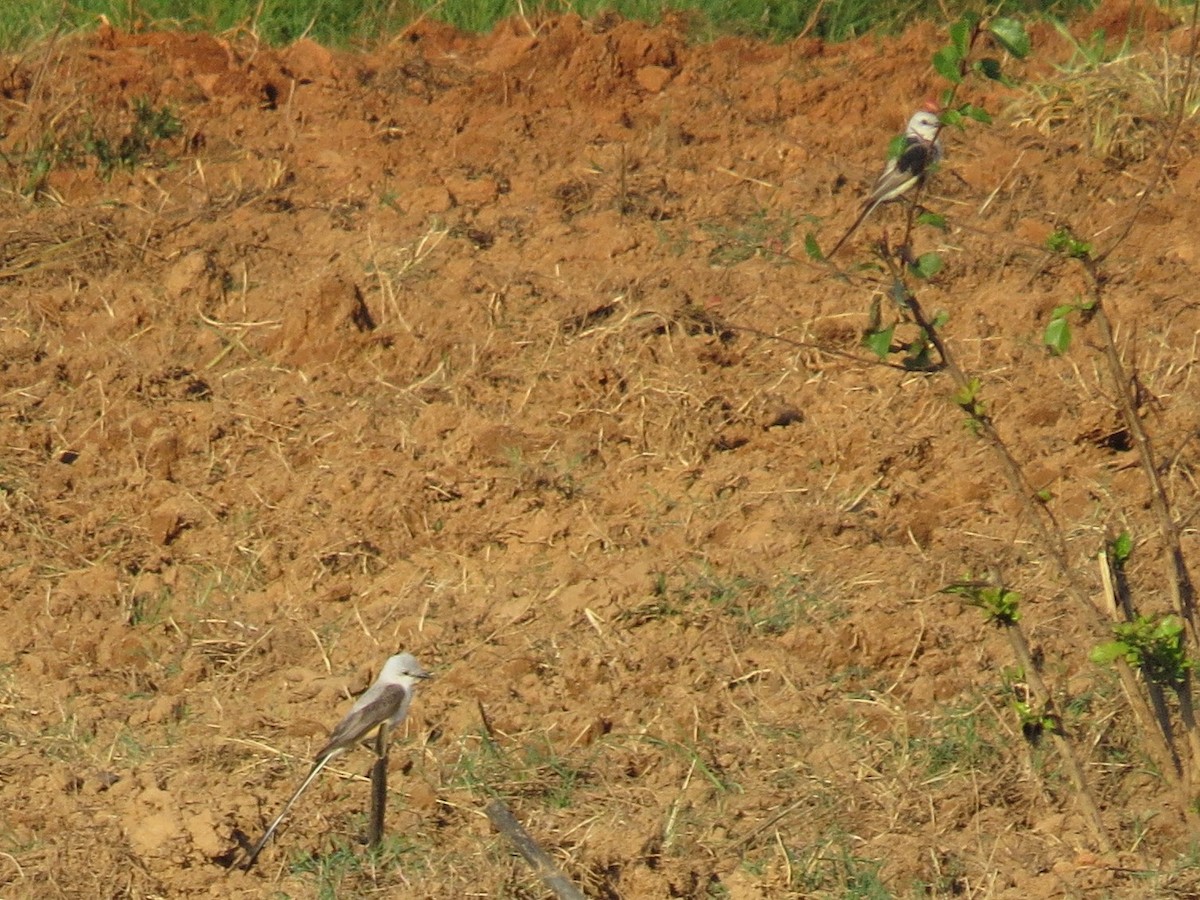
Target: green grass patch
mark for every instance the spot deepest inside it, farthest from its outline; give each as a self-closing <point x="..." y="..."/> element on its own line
<point x="960" y="743"/>
<point x="350" y="870"/>
<point x="133" y="138"/>
<point x="758" y="605"/>
<point x="831" y="867"/>
<point x="351" y="22"/>
<point x="533" y="769"/>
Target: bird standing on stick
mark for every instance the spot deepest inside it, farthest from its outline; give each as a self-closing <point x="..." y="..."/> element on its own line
<point x="922" y="148"/>
<point x="383" y="705"/>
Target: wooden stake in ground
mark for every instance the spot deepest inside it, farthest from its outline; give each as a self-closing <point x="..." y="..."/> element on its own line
<point x="378" y="788"/>
<point x="538" y="859"/>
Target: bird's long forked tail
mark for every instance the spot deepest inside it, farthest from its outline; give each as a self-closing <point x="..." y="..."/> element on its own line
<point x="868" y="208"/>
<point x="262" y="842"/>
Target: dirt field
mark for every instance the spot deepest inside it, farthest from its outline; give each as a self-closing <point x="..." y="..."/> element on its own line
<point x="505" y="350"/>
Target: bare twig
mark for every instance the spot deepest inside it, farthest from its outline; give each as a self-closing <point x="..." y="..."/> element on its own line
<point x="1066" y="752"/>
<point x="1051" y="537"/>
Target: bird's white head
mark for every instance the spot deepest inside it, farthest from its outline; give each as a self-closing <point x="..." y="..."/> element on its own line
<point x="402" y="668"/>
<point x="924" y="124"/>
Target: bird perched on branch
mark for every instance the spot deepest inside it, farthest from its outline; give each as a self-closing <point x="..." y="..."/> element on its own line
<point x="922" y="148"/>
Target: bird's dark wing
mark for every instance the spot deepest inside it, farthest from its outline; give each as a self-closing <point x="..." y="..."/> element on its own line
<point x="378" y="705"/>
<point x="917" y="156"/>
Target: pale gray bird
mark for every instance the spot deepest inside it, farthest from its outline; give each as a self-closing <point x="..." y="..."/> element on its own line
<point x="383" y="704"/>
<point x="922" y="148"/>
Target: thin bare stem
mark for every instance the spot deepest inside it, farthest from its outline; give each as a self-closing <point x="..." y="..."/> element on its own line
<point x="1066" y="752"/>
<point x="1050" y="536"/>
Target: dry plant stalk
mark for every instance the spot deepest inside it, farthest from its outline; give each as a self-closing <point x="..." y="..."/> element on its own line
<point x="1051" y="538"/>
<point x="1037" y="686"/>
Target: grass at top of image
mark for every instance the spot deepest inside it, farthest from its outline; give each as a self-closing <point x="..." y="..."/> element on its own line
<point x="342" y="23"/>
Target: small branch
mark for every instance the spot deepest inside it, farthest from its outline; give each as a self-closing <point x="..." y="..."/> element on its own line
<point x="1183" y="593"/>
<point x="1120" y="607"/>
<point x="539" y="860"/>
<point x="1051" y="538"/>
<point x="1066" y="752"/>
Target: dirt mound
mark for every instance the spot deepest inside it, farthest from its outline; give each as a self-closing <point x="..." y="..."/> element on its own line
<point x="504" y="350"/>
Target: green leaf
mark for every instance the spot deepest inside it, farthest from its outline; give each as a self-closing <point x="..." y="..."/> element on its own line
<point x="812" y="248"/>
<point x="978" y="113"/>
<point x="933" y="219"/>
<point x="927" y="265"/>
<point x="947" y="62"/>
<point x="896" y="146"/>
<point x="1062" y="241"/>
<point x="1169" y="629"/>
<point x="965" y="395"/>
<point x="940" y="318"/>
<point x="1156" y="646"/>
<point x="1011" y="35"/>
<point x="1122" y="547"/>
<point x="879" y="342"/>
<point x="1109" y="653"/>
<point x="1058" y="335"/>
<point x="960" y="37"/>
<point x="989" y="67"/>
<point x="952" y="117"/>
<point x="999" y="604"/>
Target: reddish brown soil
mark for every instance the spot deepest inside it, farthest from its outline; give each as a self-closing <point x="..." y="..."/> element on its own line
<point x="469" y="346"/>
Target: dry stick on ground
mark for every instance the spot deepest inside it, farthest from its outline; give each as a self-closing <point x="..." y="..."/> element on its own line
<point x="538" y="859"/>
<point x="1158" y="736"/>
